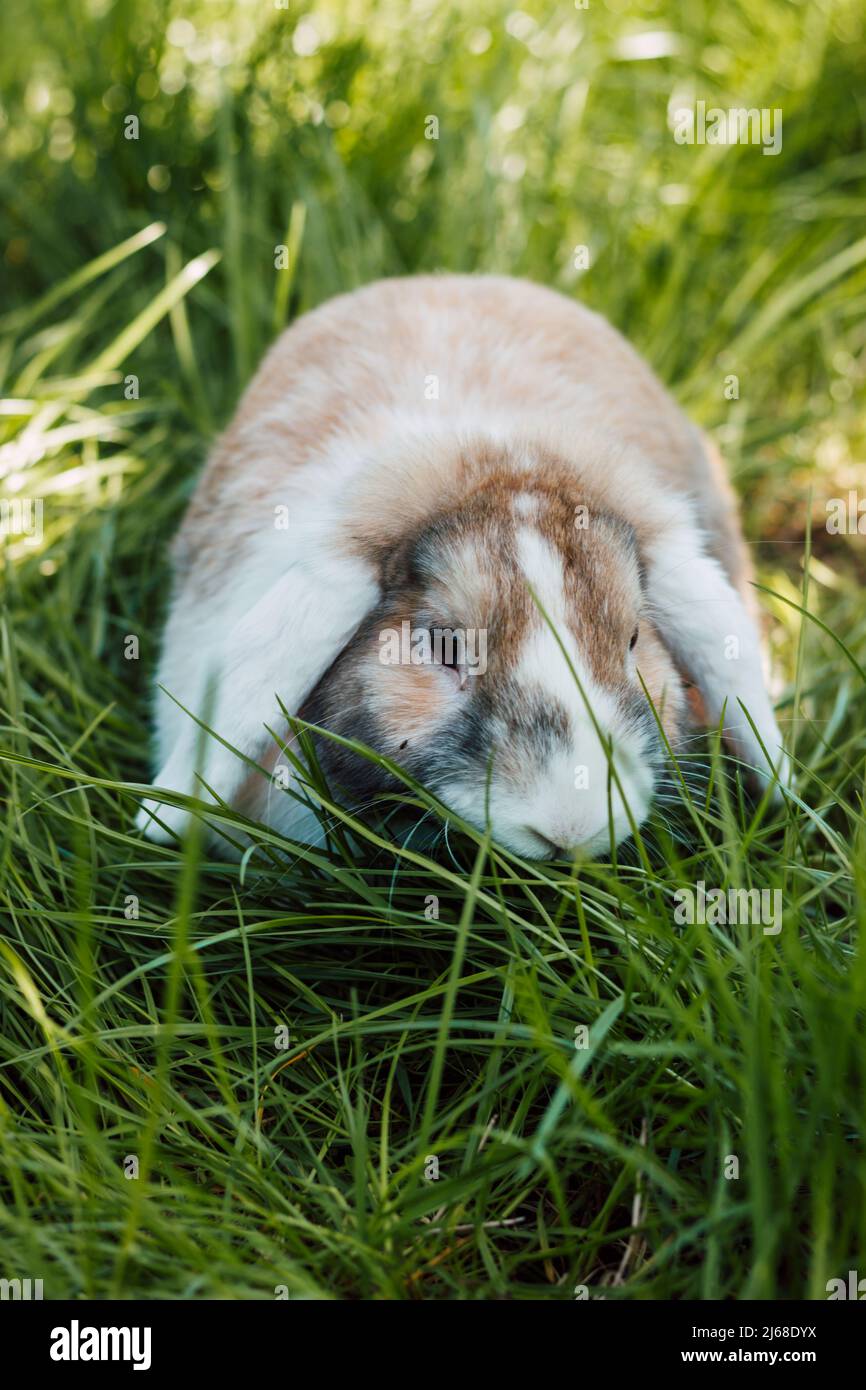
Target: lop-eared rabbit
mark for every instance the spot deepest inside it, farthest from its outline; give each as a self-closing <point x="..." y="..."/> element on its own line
<point x="458" y="518"/>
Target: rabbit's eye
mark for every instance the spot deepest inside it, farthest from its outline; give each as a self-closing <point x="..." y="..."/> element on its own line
<point x="633" y="643"/>
<point x="447" y="651"/>
<point x="456" y="671"/>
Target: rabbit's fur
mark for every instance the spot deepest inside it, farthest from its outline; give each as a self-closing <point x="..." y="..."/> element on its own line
<point x="469" y="453"/>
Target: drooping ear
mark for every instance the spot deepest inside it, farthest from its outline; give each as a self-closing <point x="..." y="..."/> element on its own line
<point x="704" y="623"/>
<point x="398" y="565"/>
<point x="276" y="654"/>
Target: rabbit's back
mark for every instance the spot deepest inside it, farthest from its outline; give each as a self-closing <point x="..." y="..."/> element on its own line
<point x="479" y="354"/>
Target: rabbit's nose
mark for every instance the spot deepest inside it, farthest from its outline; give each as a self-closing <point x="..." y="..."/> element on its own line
<point x="551" y="850"/>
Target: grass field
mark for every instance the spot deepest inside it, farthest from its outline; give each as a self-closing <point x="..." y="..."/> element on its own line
<point x="160" y="1136"/>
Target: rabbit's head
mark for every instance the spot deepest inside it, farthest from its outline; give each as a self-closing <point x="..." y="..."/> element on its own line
<point x="511" y="664"/>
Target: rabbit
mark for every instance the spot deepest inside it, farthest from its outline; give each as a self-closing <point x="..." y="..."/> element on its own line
<point x="479" y="456"/>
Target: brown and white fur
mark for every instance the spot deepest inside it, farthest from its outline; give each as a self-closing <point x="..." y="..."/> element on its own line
<point x="550" y="470"/>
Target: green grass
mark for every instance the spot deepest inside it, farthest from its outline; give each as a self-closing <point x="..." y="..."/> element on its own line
<point x="140" y="988"/>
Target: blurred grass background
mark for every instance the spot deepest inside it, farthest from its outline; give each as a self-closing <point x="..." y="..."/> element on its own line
<point x="140" y="988"/>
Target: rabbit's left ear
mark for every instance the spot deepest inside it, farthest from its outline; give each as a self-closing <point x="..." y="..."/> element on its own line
<point x="274" y="656"/>
<point x="705" y="625"/>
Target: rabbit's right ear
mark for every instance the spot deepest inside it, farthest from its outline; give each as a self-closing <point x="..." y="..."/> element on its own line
<point x="704" y="623"/>
<point x="276" y="654"/>
<point x="398" y="565"/>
